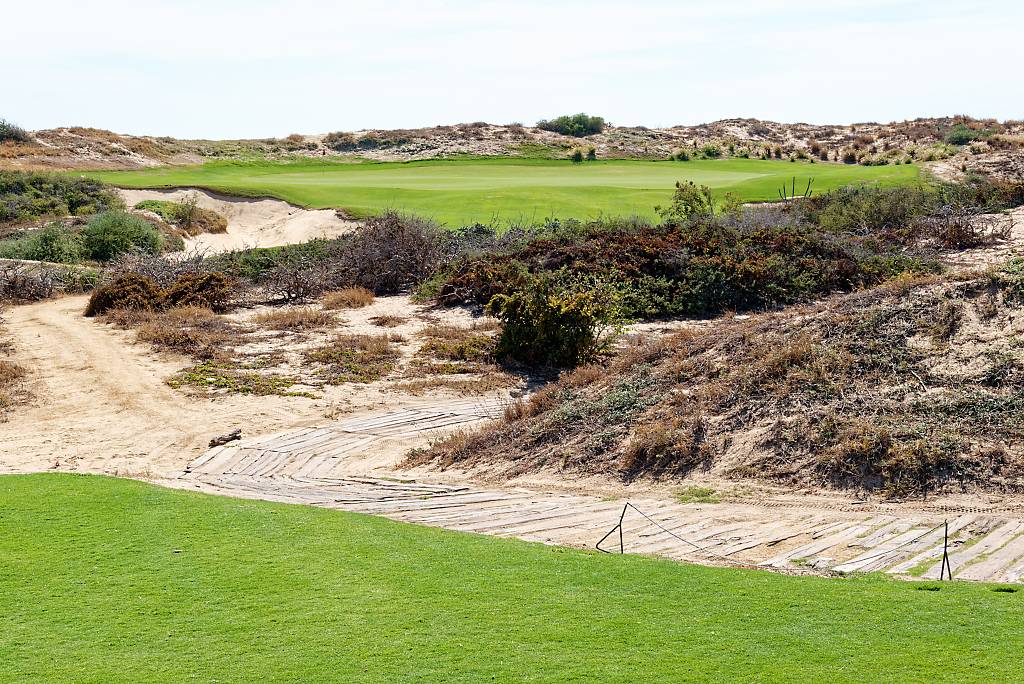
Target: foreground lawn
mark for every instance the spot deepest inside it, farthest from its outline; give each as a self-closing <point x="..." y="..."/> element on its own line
<point x="460" y="192"/>
<point x="107" y="580"/>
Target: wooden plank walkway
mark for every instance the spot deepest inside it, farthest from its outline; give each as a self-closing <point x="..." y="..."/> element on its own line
<point x="313" y="466"/>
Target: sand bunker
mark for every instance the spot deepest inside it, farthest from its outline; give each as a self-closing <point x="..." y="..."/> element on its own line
<point x="251" y="222"/>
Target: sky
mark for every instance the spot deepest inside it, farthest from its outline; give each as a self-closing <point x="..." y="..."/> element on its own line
<point x="252" y="68"/>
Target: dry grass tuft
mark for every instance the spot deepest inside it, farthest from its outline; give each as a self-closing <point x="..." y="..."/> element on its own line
<point x="10" y="372"/>
<point x="348" y="298"/>
<point x="191" y="330"/>
<point x="304" y="318"/>
<point x="388" y="321"/>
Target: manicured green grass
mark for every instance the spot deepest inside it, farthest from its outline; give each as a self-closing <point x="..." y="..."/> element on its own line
<point x="108" y="580"/>
<point x="463" y="191"/>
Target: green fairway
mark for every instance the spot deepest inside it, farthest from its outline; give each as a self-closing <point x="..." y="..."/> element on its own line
<point x="107" y="580"/>
<point x="460" y="192"/>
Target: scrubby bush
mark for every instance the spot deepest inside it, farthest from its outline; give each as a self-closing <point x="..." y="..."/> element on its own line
<point x="752" y="260"/>
<point x="556" y="323"/>
<point x="870" y="210"/>
<point x="711" y="151"/>
<point x="26" y="196"/>
<point x="340" y="141"/>
<point x="115" y="232"/>
<point x="212" y="290"/>
<point x="576" y="125"/>
<point x="129" y="291"/>
<point x="388" y="254"/>
<point x="55" y="243"/>
<point x="577" y="156"/>
<point x="960" y="134"/>
<point x="12" y="132"/>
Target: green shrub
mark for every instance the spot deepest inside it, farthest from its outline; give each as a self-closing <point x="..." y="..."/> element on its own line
<point x="55" y="243"/>
<point x="13" y="132"/>
<point x="577" y="125"/>
<point x="26" y="196"/>
<point x="554" y="323"/>
<point x="711" y="151"/>
<point x="128" y="291"/>
<point x="961" y="134"/>
<point x="115" y="232"/>
<point x="886" y="213"/>
<point x="690" y="201"/>
<point x="576" y="157"/>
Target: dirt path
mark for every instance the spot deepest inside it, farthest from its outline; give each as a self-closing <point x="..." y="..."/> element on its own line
<point x="101" y="404"/>
<point x="251" y="222"/>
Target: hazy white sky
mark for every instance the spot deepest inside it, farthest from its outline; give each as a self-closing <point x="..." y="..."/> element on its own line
<point x="243" y="68"/>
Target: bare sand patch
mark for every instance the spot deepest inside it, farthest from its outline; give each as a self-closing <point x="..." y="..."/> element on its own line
<point x="251" y="222"/>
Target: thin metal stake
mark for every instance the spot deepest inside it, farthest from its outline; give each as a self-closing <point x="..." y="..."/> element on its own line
<point x="945" y="569"/>
<point x="622" y="547"/>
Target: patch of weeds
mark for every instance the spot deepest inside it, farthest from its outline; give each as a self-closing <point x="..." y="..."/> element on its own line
<point x="474" y="348"/>
<point x="697" y="494"/>
<point x="227" y="377"/>
<point x="355" y="358"/>
<point x="1005" y="590"/>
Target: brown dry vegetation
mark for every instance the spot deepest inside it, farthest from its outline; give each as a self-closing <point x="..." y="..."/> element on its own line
<point x="912" y="387"/>
<point x="299" y="318"/>
<point x="12" y="375"/>
<point x="348" y="298"/>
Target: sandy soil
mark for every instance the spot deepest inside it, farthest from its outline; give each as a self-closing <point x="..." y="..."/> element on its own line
<point x="252" y="222"/>
<point x="101" y="403"/>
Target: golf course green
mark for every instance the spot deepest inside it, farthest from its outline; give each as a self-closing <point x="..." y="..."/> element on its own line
<point x="502" y="190"/>
<point x="113" y="580"/>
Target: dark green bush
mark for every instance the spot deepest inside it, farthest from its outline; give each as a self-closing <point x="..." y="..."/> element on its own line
<point x="13" y="132"/>
<point x="576" y="125"/>
<point x="115" y="232"/>
<point x="128" y="291"/>
<point x="555" y="323"/>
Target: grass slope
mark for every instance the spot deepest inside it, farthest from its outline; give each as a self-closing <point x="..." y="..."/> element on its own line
<point x="459" y="192"/>
<point x="108" y="580"/>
